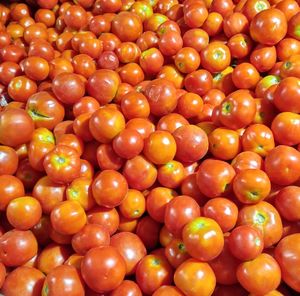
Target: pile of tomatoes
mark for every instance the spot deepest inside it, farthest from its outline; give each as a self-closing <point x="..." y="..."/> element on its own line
<point x="150" y="148"/>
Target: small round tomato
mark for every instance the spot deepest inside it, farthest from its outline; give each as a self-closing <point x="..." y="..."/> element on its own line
<point x="45" y="110"/>
<point x="203" y="238"/>
<point x="237" y="110"/>
<point x="17" y="247"/>
<point x="8" y="160"/>
<point x="287" y="255"/>
<point x="105" y="217"/>
<point x="106" y="123"/>
<point x="282" y="165"/>
<point x="214" y="177"/>
<point x="251" y="186"/>
<point x="171" y="174"/>
<point x="63" y="279"/>
<point x="268" y="26"/>
<point x="171" y="122"/>
<point x="103" y="269"/>
<point x="265" y="218"/>
<point x="139" y="173"/>
<point x="90" y="236"/>
<point x="127" y="288"/>
<point x="176" y="253"/>
<point x="24" y="212"/>
<point x="263" y="268"/>
<point x="131" y="248"/>
<point x="223" y="211"/>
<point x="109" y="188"/>
<point x="151" y="61"/>
<point x="246" y="242"/>
<point x="16" y="127"/>
<point x="263" y="57"/>
<point x="245" y="76"/>
<point x="187" y="60"/>
<point x="62" y="164"/>
<point x="133" y="205"/>
<point x="68" y="87"/>
<point x="68" y="217"/>
<point x="198" y="273"/>
<point x="179" y="211"/>
<point x="108" y="159"/>
<point x="247" y="160"/>
<point x="24" y="281"/>
<point x="152" y="272"/>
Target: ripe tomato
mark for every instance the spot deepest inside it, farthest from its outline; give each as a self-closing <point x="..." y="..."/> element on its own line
<point x="127" y="288"/>
<point x="203" y="238"/>
<point x="260" y="275"/>
<point x="199" y="273"/>
<point x="9" y="160"/>
<point x="152" y="272"/>
<point x="103" y="269"/>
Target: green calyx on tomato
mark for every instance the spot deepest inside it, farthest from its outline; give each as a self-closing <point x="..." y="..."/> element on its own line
<point x="260" y="218"/>
<point x="226" y="108"/>
<point x="297" y="31"/>
<point x="253" y="195"/>
<point x="260" y="5"/>
<point x="35" y="115"/>
<point x="60" y="161"/>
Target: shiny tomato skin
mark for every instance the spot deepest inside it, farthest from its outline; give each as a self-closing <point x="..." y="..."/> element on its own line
<point x="214" y="177"/>
<point x="16" y="127"/>
<point x="176" y="253"/>
<point x="131" y="248"/>
<point x="63" y="279"/>
<point x="127" y="288"/>
<point x="103" y="269"/>
<point x="152" y="272"/>
<point x="245" y="242"/>
<point x="198" y="243"/>
<point x="109" y="188"/>
<point x="192" y="143"/>
<point x="260" y="275"/>
<point x="180" y="211"/>
<point x="199" y="273"/>
<point x="167" y="290"/>
<point x="62" y="164"/>
<point x="287" y="255"/>
<point x="27" y="281"/>
<point x="17" y="247"/>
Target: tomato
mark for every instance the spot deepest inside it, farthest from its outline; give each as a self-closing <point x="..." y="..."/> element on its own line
<point x="127" y="288"/>
<point x="171" y="174"/>
<point x="214" y="177"/>
<point x="245" y="242"/>
<point x="262" y="27"/>
<point x="106" y="123"/>
<point x="287" y="255"/>
<point x="166" y="290"/>
<point x="180" y="210"/>
<point x="152" y="272"/>
<point x="62" y="164"/>
<point x="103" y="269"/>
<point x="265" y="218"/>
<point x="8" y="160"/>
<point x="63" y="279"/>
<point x="16" y="127"/>
<point x="68" y="217"/>
<point x="198" y="243"/>
<point x="223" y="211"/>
<point x="282" y="166"/>
<point x="109" y="188"/>
<point x="27" y="281"/>
<point x="17" y="247"/>
<point x="251" y="186"/>
<point x="24" y="212"/>
<point x="287" y="202"/>
<point x="198" y="273"/>
<point x="131" y="248"/>
<point x="266" y="277"/>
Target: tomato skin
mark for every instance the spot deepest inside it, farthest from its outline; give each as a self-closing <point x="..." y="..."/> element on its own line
<point x="127" y="243"/>
<point x="27" y="281"/>
<point x="16" y="127"/>
<point x="198" y="246"/>
<point x="280" y="158"/>
<point x="180" y="211"/>
<point x="62" y="164"/>
<point x="167" y="290"/>
<point x="109" y="188"/>
<point x="17" y="247"/>
<point x="63" y="279"/>
<point x="263" y="269"/>
<point x="265" y="218"/>
<point x="103" y="269"/>
<point x="198" y="273"/>
<point x="245" y="242"/>
<point x="127" y="288"/>
<point x="289" y="264"/>
<point x="214" y="177"/>
<point x="152" y="272"/>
